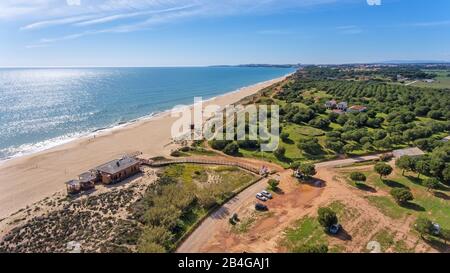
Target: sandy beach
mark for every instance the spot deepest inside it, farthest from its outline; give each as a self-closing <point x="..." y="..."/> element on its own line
<point x="28" y="179"/>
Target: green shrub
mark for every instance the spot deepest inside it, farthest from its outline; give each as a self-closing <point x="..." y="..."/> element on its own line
<point x="219" y="144"/>
<point x="176" y="153"/>
<point x="308" y="169"/>
<point x="383" y="169"/>
<point x="279" y="153"/>
<point x="327" y="217"/>
<point x="273" y="183"/>
<point x="423" y="225"/>
<point x="231" y="149"/>
<point x="284" y="137"/>
<point x="401" y="195"/>
<point x="322" y="248"/>
<point x="431" y="183"/>
<point x="358" y="177"/>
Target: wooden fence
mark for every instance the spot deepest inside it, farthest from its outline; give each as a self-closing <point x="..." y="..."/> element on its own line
<point x="203" y="161"/>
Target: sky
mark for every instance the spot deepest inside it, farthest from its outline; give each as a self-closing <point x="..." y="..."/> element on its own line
<point x="214" y="32"/>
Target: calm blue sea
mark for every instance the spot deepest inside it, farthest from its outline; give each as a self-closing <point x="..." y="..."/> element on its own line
<point x="41" y="108"/>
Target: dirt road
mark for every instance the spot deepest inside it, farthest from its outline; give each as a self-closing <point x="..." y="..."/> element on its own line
<point x="215" y="222"/>
<point x="208" y="227"/>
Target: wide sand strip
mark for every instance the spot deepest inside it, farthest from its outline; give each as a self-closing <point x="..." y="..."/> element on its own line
<point x="28" y="179"/>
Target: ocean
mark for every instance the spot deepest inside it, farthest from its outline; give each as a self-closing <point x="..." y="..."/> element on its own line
<point x="44" y="107"/>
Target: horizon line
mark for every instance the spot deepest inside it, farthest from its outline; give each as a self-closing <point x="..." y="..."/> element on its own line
<point x="241" y="64"/>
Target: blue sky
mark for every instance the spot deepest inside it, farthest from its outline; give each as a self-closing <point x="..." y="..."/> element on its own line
<point x="209" y="32"/>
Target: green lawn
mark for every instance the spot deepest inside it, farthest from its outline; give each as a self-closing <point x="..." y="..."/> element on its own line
<point x="432" y="204"/>
<point x="441" y="81"/>
<point x="387" y="240"/>
<point x="199" y="174"/>
<point x="388" y="206"/>
<point x="306" y="231"/>
<point x="244" y="225"/>
<point x="293" y="153"/>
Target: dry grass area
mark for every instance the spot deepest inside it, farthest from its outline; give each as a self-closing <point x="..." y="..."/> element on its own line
<point x="261" y="231"/>
<point x="363" y="220"/>
<point x="292" y="222"/>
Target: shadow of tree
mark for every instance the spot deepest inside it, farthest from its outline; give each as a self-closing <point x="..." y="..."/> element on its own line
<point x="413" y="206"/>
<point x="441" y="195"/>
<point x="342" y="235"/>
<point x="278" y="190"/>
<point x="443" y="187"/>
<point x="314" y="182"/>
<point x="414" y="180"/>
<point x="288" y="141"/>
<point x="365" y="187"/>
<point x="394" y="184"/>
<point x="221" y="213"/>
<point x="437" y="244"/>
<point x="285" y="159"/>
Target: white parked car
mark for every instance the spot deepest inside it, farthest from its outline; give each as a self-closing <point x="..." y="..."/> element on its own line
<point x="261" y="197"/>
<point x="267" y="194"/>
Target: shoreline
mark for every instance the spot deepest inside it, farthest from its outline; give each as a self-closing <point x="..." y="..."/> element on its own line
<point x="75" y="136"/>
<point x="30" y="178"/>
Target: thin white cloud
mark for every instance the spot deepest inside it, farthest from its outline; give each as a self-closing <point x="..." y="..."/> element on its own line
<point x="133" y="15"/>
<point x="352" y="29"/>
<point x="49" y="9"/>
<point x="374" y="2"/>
<point x="275" y="32"/>
<point x="432" y="24"/>
<point x="73" y="2"/>
<point x="56" y="22"/>
<point x="117" y="29"/>
<point x="115" y="17"/>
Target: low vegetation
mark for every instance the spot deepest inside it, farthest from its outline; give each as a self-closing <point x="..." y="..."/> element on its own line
<point x="327" y="217"/>
<point x="182" y="196"/>
<point x="98" y="223"/>
<point x="403" y="194"/>
<point x="134" y="218"/>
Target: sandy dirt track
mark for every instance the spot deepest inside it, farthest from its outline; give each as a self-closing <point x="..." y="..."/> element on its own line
<point x="213" y="234"/>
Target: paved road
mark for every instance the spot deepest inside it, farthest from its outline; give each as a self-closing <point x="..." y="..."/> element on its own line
<point x="206" y="230"/>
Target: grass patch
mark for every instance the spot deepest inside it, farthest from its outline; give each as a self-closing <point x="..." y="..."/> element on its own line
<point x="306" y="231"/>
<point x="385" y="238"/>
<point x="191" y="217"/>
<point x="343" y="212"/>
<point x="441" y="81"/>
<point x="388" y="206"/>
<point x="187" y="173"/>
<point x="432" y="204"/>
<point x="293" y="153"/>
<point x="202" y="151"/>
<point x="244" y="225"/>
<point x="183" y="196"/>
<point x="387" y="241"/>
